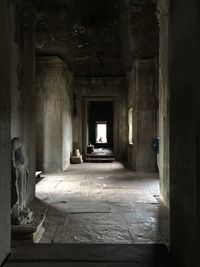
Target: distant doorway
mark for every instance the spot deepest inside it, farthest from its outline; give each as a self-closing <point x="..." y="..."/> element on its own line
<point x="100" y="123"/>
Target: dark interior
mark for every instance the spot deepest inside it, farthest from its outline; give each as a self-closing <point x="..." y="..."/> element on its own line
<point x="100" y="111"/>
<point x="66" y="65"/>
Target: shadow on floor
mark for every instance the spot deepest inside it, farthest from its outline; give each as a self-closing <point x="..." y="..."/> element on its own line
<point x="83" y="255"/>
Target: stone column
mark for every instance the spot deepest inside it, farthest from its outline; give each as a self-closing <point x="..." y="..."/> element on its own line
<point x="54" y="118"/>
<point x="5" y="147"/>
<point x="29" y="95"/>
<point x="184" y="84"/>
<point x="163" y="158"/>
<point x="145" y="127"/>
<point x="132" y="104"/>
<point x="23" y="83"/>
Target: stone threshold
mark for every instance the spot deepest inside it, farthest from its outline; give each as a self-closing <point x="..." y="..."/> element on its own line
<point x="143" y="255"/>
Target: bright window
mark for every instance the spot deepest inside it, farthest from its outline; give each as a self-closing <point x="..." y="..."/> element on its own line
<point x="101" y="132"/>
<point x="130" y="126"/>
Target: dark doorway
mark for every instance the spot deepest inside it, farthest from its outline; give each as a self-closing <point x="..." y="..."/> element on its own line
<point x="100" y="123"/>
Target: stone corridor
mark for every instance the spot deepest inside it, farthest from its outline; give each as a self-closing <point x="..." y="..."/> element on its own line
<point x="101" y="203"/>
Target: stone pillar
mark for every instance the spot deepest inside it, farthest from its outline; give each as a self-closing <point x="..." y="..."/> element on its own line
<point x="144" y="129"/>
<point x="23" y="84"/>
<point x="29" y="96"/>
<point x="5" y="144"/>
<point x="54" y="114"/>
<point x="163" y="157"/>
<point x="132" y="104"/>
<point x="184" y="84"/>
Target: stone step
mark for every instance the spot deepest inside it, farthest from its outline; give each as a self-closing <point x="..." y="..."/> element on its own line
<point x="102" y="255"/>
<point x="99" y="159"/>
<point x="100" y="156"/>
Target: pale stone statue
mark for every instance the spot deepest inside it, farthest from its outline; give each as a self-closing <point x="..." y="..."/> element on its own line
<point x="20" y="213"/>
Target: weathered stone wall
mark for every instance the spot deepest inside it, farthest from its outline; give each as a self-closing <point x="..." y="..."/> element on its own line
<point x="163" y="159"/>
<point x="54" y="114"/>
<point x="138" y="29"/>
<point x="132" y="103"/>
<point x="5" y="147"/>
<point x="22" y="84"/>
<point x="184" y="84"/>
<point x="142" y="98"/>
<point x="67" y="124"/>
<point x="102" y="88"/>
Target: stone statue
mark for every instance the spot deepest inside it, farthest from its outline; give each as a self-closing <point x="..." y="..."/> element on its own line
<point x="20" y="213"/>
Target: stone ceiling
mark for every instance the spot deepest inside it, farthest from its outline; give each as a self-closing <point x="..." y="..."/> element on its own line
<point x="97" y="37"/>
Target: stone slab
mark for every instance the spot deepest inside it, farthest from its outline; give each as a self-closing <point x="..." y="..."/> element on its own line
<point x="88" y="207"/>
<point x="93" y="228"/>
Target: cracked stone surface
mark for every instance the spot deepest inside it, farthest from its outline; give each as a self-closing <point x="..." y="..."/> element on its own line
<point x="101" y="203"/>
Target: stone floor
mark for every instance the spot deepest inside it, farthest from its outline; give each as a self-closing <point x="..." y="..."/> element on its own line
<point x="101" y="203"/>
<point x="90" y="255"/>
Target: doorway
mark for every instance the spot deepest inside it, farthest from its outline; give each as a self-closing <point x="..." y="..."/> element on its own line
<point x="100" y="121"/>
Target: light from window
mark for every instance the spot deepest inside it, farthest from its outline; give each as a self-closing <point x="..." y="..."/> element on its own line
<point x="130" y="126"/>
<point x="101" y="132"/>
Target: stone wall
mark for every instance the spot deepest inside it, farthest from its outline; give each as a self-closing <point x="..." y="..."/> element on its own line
<point x="163" y="159"/>
<point x="132" y="103"/>
<point x="17" y="101"/>
<point x="138" y="29"/>
<point x="22" y="84"/>
<point x="100" y="89"/>
<point x="142" y="99"/>
<point x="184" y="84"/>
<point x="5" y="148"/>
<point x="54" y="114"/>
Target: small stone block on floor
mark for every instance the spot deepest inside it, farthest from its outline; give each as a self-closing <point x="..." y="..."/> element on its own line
<point x="76" y="159"/>
<point x="32" y="232"/>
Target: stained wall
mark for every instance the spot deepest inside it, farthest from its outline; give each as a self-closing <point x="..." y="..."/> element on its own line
<point x="23" y="84"/>
<point x="5" y="149"/>
<point x="184" y="86"/>
<point x="54" y="114"/>
<point x="142" y="99"/>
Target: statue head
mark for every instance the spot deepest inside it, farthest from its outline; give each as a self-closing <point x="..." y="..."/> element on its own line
<point x="16" y="143"/>
<point x="17" y="151"/>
